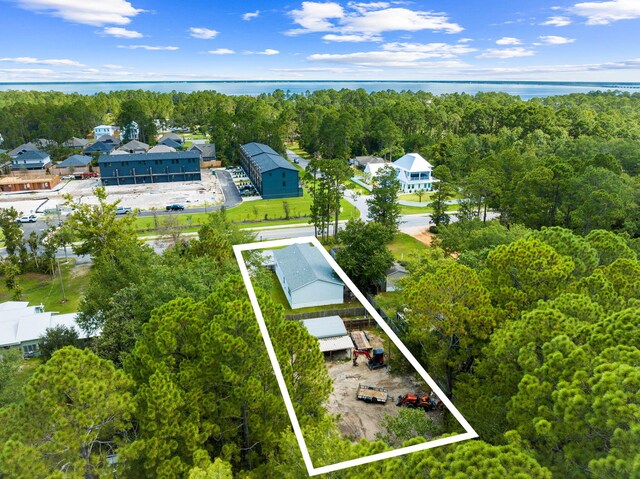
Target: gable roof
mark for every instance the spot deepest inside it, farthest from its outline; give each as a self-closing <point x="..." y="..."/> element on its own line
<point x="253" y="149"/>
<point x="207" y="150"/>
<point x="267" y="162"/>
<point x="302" y="264"/>
<point x="326" y="327"/>
<point x="365" y="160"/>
<point x="33" y="155"/>
<point x="100" y="147"/>
<point x="75" y="160"/>
<point x="172" y="137"/>
<point x="413" y="162"/>
<point x="161" y="149"/>
<point x="134" y="145"/>
<point x="75" y="142"/>
<point x="108" y="139"/>
<point x="22" y="148"/>
<point x="45" y="143"/>
<point x="171" y="143"/>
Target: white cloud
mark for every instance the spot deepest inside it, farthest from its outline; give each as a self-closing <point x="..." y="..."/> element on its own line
<point x="508" y="41"/>
<point x="557" y="21"/>
<point x="326" y="69"/>
<point x="330" y="37"/>
<point x="250" y="15"/>
<point x="121" y="32"/>
<point x="556" y="40"/>
<point x="386" y="59"/>
<point x="112" y="66"/>
<point x="430" y="50"/>
<point x="88" y="12"/>
<point x="148" y="47"/>
<point x="221" y="51"/>
<point x="38" y="61"/>
<point x="465" y="40"/>
<point x="633" y="64"/>
<point x="515" y="52"/>
<point x="268" y="51"/>
<point x="315" y="16"/>
<point x="203" y="33"/>
<point x="365" y="20"/>
<point x="35" y="71"/>
<point x="603" y="13"/>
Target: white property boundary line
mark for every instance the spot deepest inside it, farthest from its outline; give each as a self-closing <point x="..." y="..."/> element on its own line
<point x="313" y="471"/>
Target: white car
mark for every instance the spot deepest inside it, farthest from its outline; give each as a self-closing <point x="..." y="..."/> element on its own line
<point x="27" y="219"/>
<point x="68" y="177"/>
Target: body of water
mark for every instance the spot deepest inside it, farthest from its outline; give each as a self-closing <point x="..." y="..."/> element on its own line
<point x="525" y="90"/>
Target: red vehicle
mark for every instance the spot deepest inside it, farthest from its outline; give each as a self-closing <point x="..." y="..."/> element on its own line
<point x="90" y="174"/>
<point x="375" y="360"/>
<point x="428" y="402"/>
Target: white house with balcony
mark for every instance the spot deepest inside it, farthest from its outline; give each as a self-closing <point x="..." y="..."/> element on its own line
<point x="414" y="173"/>
<point x="100" y="130"/>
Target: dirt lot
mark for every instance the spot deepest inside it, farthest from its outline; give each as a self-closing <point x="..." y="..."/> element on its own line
<point x="144" y="197"/>
<point x="420" y="233"/>
<point x="357" y="418"/>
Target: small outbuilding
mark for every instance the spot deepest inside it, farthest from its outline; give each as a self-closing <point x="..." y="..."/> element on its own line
<point x="307" y="279"/>
<point x="331" y="334"/>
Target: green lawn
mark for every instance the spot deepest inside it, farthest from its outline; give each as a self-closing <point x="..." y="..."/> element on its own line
<point x="404" y="246"/>
<point x="299" y="151"/>
<point x="415" y="210"/>
<point x="425" y="198"/>
<point x="390" y="302"/>
<point x="42" y="288"/>
<point x="252" y="214"/>
<point x="356" y="187"/>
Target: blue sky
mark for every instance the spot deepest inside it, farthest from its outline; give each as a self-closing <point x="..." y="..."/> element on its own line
<point x="102" y="40"/>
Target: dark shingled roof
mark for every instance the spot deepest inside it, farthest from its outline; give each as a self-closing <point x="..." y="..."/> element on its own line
<point x="303" y="264"/>
<point x="170" y="142"/>
<point x="75" y="143"/>
<point x="75" y="160"/>
<point x="33" y="155"/>
<point x="109" y="139"/>
<point x="172" y="137"/>
<point x="265" y="158"/>
<point x="180" y="155"/>
<point x="100" y="147"/>
<point x="253" y="149"/>
<point x="23" y="147"/>
<point x="208" y="150"/>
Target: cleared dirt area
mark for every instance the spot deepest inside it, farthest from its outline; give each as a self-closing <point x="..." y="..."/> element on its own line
<point x="144" y="197"/>
<point x="420" y="233"/>
<point x="359" y="419"/>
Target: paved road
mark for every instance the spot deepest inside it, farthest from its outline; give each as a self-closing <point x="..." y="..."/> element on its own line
<point x="301" y="161"/>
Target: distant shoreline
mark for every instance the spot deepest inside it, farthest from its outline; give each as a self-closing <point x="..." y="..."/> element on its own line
<point x="524" y="89"/>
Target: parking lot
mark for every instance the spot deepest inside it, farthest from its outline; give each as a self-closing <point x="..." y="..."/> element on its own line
<point x="242" y="182"/>
<point x="206" y="192"/>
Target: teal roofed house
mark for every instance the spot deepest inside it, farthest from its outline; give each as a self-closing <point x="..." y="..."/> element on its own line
<point x="306" y="277"/>
<point x="270" y="173"/>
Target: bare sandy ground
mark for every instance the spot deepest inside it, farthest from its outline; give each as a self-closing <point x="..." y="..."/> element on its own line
<point x="420" y="233"/>
<point x="359" y="419"/>
<point x="143" y="197"/>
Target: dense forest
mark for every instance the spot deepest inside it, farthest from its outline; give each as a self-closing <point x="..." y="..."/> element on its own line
<point x="531" y="324"/>
<point x="570" y="161"/>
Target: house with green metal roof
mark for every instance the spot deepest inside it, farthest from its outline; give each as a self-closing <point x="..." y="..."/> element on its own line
<point x="270" y="173"/>
<point x="306" y="277"/>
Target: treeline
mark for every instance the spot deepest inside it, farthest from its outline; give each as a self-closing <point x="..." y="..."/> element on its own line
<point x="570" y="161"/>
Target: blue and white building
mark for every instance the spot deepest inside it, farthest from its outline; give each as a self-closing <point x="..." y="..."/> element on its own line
<point x="414" y="173"/>
<point x="306" y="278"/>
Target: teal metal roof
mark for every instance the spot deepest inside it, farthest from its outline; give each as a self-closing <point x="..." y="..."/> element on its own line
<point x="178" y="155"/>
<point x="253" y="149"/>
<point x="302" y="264"/>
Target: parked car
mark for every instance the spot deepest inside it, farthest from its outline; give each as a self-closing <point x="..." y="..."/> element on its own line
<point x="123" y="210"/>
<point x="175" y="208"/>
<point x="27" y="219"/>
<point x="296" y="161"/>
<point x="68" y="177"/>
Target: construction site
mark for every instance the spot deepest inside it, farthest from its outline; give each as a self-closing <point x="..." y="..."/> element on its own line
<point x="364" y="390"/>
